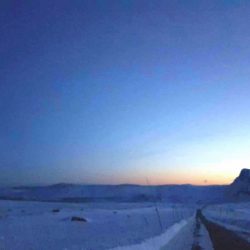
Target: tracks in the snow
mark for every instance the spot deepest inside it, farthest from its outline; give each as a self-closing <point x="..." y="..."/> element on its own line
<point x="222" y="238"/>
<point x="197" y="228"/>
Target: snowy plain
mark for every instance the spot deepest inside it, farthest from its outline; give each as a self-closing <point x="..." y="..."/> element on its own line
<point x="47" y="225"/>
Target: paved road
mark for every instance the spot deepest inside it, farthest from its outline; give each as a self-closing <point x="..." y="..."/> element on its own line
<point x="222" y="238"/>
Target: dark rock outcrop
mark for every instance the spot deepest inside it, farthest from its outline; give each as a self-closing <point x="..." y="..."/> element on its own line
<point x="56" y="210"/>
<point x="79" y="219"/>
<point x="239" y="190"/>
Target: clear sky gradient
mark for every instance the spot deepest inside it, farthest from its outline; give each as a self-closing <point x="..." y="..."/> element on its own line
<point x="121" y="91"/>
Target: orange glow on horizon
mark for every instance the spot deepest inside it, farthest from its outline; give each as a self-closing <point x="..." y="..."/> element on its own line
<point x="179" y="179"/>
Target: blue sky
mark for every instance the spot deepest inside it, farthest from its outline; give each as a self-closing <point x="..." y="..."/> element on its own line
<point x="121" y="91"/>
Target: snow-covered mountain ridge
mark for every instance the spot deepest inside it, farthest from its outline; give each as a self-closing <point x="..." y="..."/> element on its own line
<point x="117" y="193"/>
<point x="238" y="190"/>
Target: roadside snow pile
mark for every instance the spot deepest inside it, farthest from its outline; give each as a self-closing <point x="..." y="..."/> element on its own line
<point x="234" y="216"/>
<point x="201" y="236"/>
<point x="204" y="239"/>
<point x="192" y="236"/>
<point x="159" y="241"/>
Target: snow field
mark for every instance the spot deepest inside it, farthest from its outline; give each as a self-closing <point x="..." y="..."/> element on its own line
<point x="34" y="225"/>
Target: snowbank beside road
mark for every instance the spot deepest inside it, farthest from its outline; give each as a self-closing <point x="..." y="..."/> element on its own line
<point x="192" y="236"/>
<point x="159" y="241"/>
<point x="233" y="216"/>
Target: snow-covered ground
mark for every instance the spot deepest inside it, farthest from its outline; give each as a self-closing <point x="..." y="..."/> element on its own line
<point x="234" y="216"/>
<point x="187" y="234"/>
<point x="159" y="241"/>
<point x="192" y="236"/>
<point x="34" y="225"/>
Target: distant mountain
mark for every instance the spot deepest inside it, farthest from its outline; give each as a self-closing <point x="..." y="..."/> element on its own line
<point x="117" y="193"/>
<point x="239" y="190"/>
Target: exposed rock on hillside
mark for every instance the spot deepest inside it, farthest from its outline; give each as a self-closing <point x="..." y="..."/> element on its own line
<point x="240" y="189"/>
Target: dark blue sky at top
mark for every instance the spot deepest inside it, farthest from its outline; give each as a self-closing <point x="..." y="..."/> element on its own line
<point x="116" y="91"/>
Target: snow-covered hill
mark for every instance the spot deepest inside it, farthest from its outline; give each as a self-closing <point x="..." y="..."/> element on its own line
<point x="124" y="193"/>
<point x="239" y="190"/>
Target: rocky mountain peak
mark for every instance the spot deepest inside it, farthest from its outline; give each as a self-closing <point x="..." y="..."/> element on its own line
<point x="240" y="189"/>
<point x="245" y="175"/>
